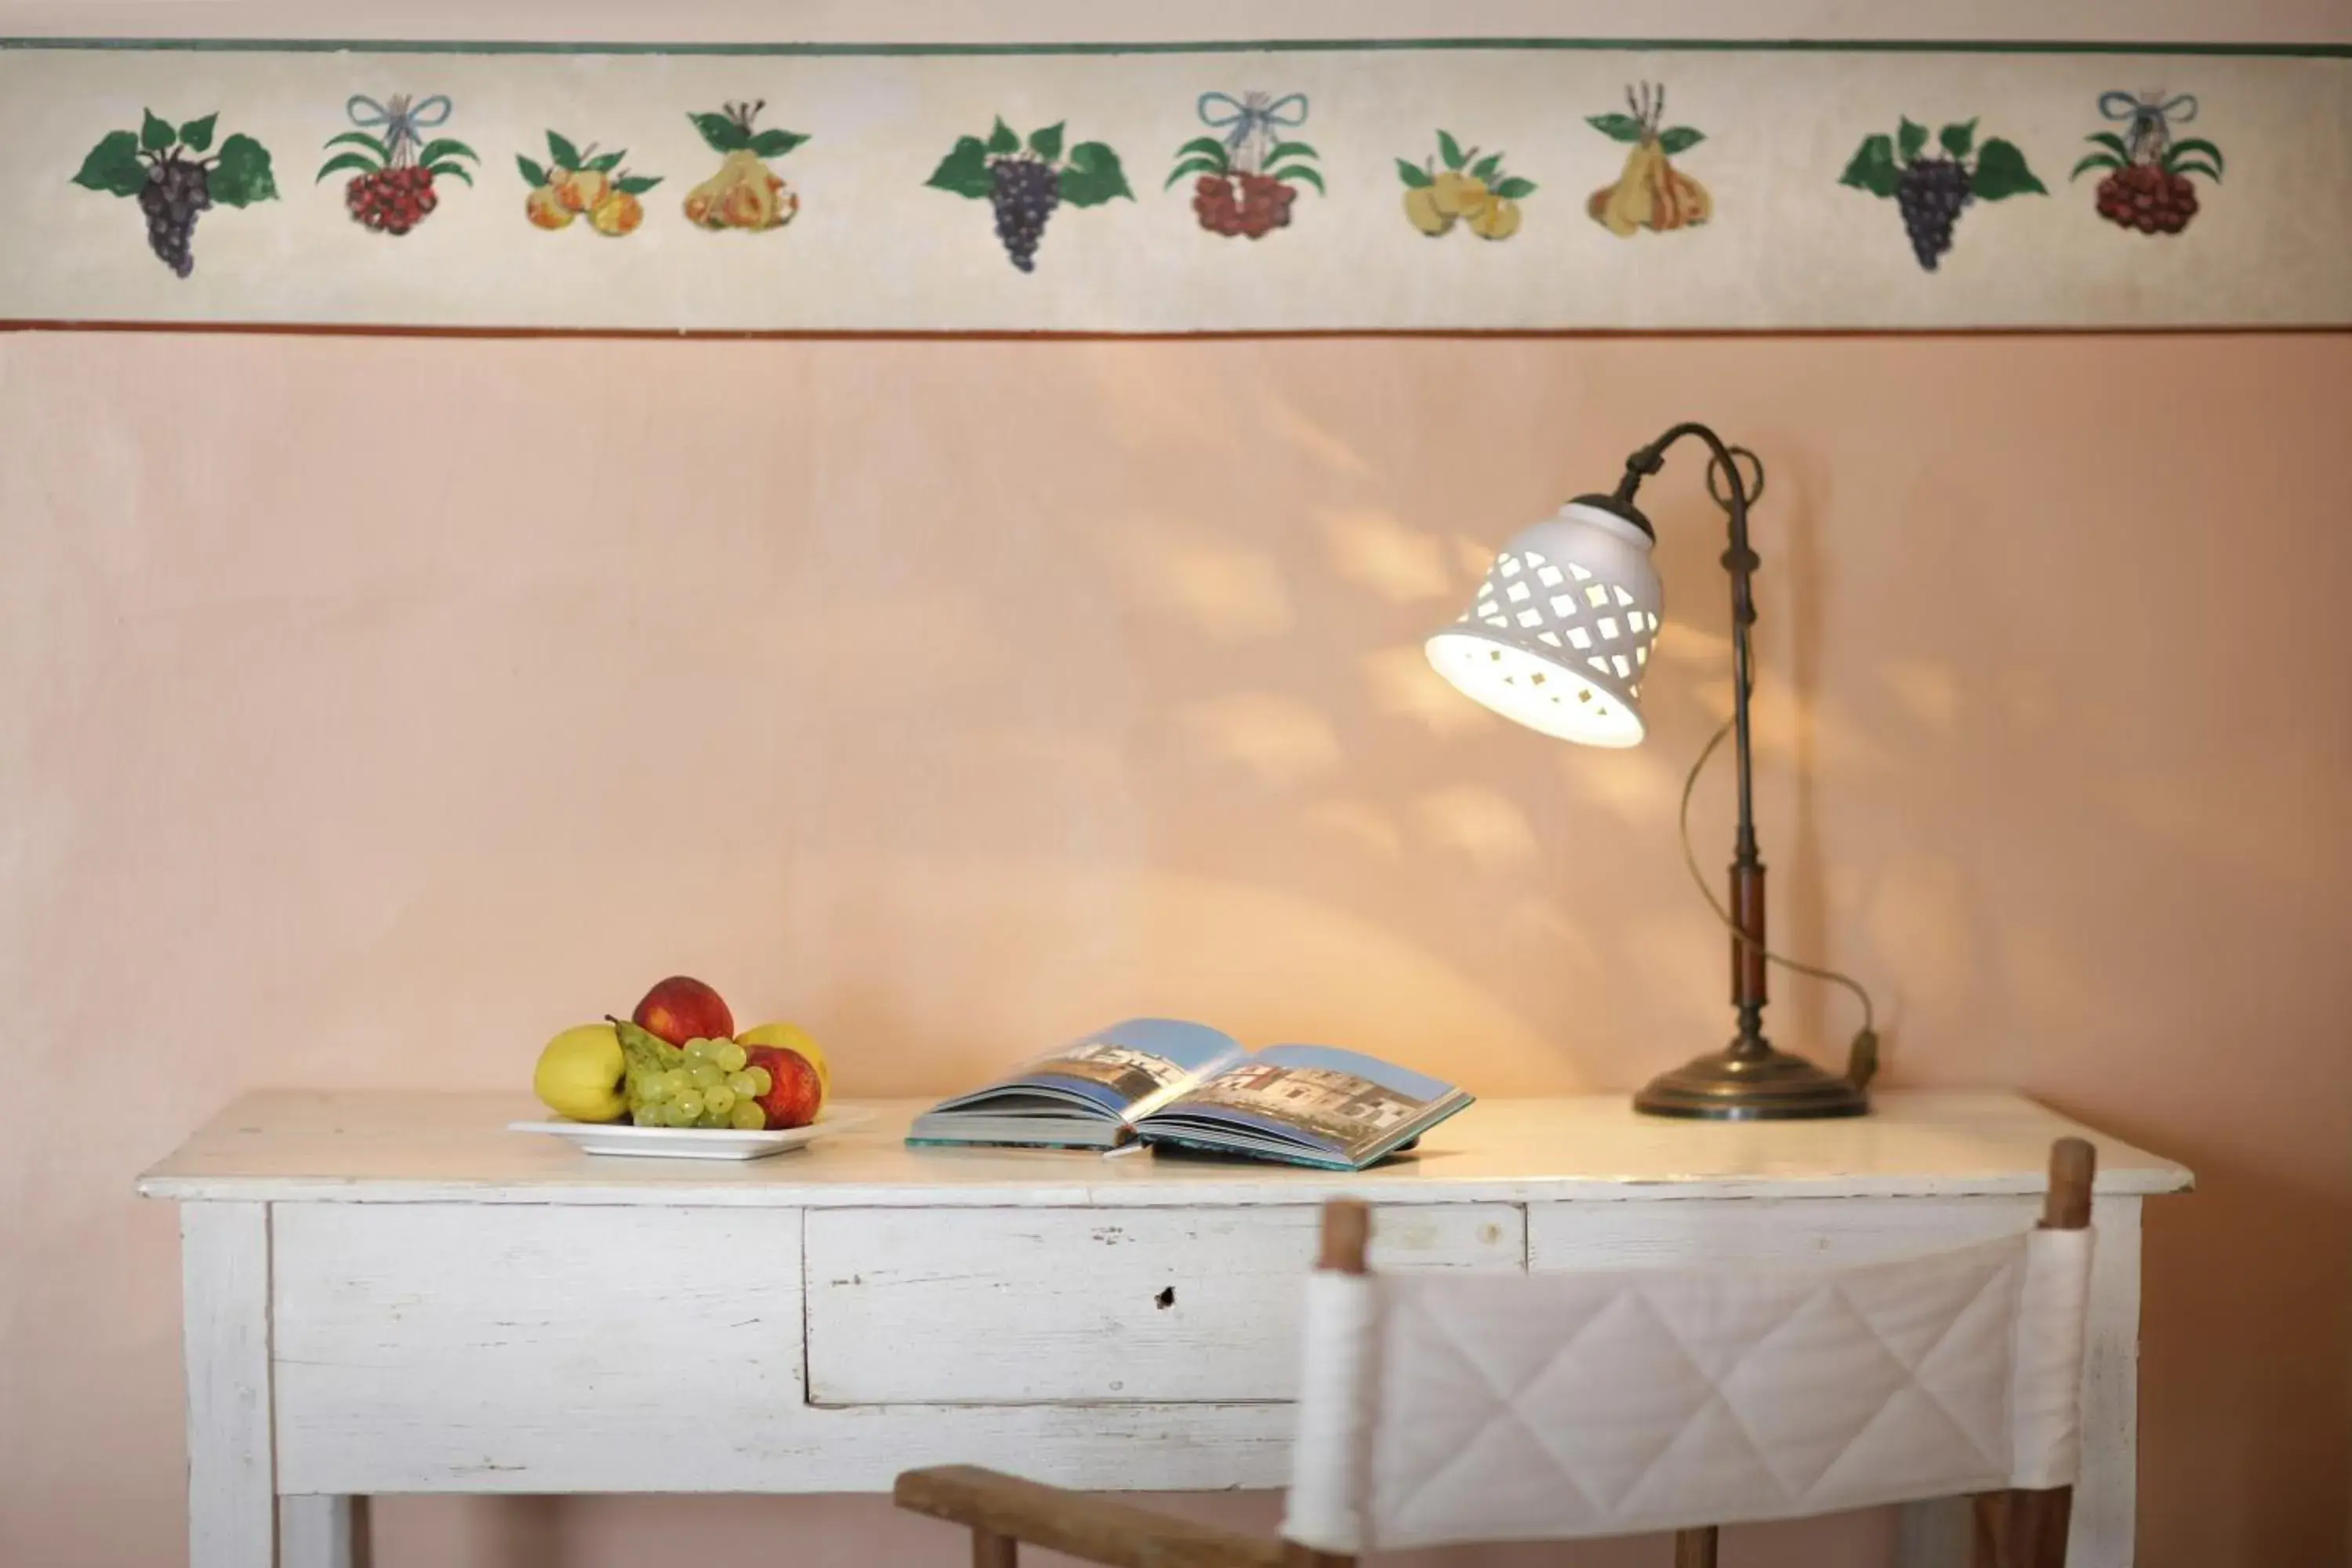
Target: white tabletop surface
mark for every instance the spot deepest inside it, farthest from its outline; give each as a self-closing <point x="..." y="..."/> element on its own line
<point x="383" y="1147"/>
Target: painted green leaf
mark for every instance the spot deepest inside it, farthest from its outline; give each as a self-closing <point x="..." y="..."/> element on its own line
<point x="156" y="132"/>
<point x="605" y="162"/>
<point x="776" y="143"/>
<point x="563" y="154"/>
<point x="637" y="184"/>
<point x="1485" y="167"/>
<point x="1207" y="147"/>
<point x="449" y="166"/>
<point x="965" y="170"/>
<point x="113" y="165"/>
<point x="1873" y="168"/>
<point x="1287" y="151"/>
<point x="533" y="174"/>
<point x="1959" y="138"/>
<point x="2096" y="161"/>
<point x="1450" y="149"/>
<point x="2193" y="144"/>
<point x="243" y="175"/>
<point x="719" y="133"/>
<point x="361" y="139"/>
<point x="1514" y="188"/>
<point x="1194" y="165"/>
<point x="1003" y="140"/>
<point x="1305" y="172"/>
<point x="1911" y="140"/>
<point x="359" y="161"/>
<point x="1413" y="174"/>
<point x="1616" y="127"/>
<point x="1047" y="143"/>
<point x="1680" y="139"/>
<point x="196" y="135"/>
<point x="2193" y="166"/>
<point x="2001" y="173"/>
<point x="1093" y="176"/>
<point x="2112" y="143"/>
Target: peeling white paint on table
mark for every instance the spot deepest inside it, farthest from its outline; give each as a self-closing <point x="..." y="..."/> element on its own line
<point x="391" y="1294"/>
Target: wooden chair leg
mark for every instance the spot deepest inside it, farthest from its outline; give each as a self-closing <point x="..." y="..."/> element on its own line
<point x="2022" y="1529"/>
<point x="2037" y="1526"/>
<point x="1695" y="1548"/>
<point x="1990" y="1544"/>
<point x="989" y="1550"/>
<point x="1296" y="1556"/>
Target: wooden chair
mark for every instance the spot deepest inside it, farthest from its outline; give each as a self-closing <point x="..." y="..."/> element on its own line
<point x="1413" y="1430"/>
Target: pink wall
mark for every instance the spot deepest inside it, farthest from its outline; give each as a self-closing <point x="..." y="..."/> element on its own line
<point x="379" y="706"/>
<point x="376" y="707"/>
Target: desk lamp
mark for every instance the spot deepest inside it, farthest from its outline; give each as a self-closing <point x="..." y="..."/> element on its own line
<point x="1558" y="639"/>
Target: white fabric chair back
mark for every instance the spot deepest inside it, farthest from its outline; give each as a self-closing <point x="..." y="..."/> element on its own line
<point x="1438" y="1407"/>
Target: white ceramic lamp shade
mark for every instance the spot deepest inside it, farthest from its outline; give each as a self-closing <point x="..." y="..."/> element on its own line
<point x="1559" y="636"/>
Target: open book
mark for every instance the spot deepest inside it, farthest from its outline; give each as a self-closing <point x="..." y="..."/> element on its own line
<point x="1170" y="1082"/>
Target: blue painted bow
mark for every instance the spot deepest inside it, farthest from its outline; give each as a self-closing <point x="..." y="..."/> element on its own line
<point x="2152" y="115"/>
<point x="403" y="121"/>
<point x="1251" y="114"/>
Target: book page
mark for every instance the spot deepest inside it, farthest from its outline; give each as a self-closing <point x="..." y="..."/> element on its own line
<point x="1127" y="1071"/>
<point x="1338" y="1099"/>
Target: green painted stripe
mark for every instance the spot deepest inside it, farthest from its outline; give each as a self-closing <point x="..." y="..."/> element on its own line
<point x="1275" y="45"/>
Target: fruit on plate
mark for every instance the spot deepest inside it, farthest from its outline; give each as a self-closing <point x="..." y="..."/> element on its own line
<point x="791" y="1037"/>
<point x="582" y="1074"/>
<point x="688" y="1086"/>
<point x="794" y="1094"/>
<point x="680" y="1009"/>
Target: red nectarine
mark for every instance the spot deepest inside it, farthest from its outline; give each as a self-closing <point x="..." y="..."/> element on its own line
<point x="795" y="1093"/>
<point x="680" y="1009"/>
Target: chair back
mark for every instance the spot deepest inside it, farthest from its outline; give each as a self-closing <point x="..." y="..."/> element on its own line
<point x="1440" y="1407"/>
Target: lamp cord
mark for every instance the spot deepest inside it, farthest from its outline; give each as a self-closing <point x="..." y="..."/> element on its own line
<point x="1862" y="1057"/>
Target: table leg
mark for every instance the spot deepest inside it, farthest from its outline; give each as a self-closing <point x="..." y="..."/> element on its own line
<point x="322" y="1532"/>
<point x="225" y="1290"/>
<point x="2106" y="1493"/>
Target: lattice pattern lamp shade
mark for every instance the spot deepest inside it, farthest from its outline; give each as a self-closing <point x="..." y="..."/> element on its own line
<point x="1559" y="636"/>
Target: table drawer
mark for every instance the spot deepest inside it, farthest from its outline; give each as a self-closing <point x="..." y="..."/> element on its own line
<point x="1028" y="1306"/>
<point x="460" y="1346"/>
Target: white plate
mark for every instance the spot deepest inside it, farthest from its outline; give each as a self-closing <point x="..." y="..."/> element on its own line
<point x="694" y="1142"/>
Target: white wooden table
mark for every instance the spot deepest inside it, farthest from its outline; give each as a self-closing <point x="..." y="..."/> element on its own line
<point x="391" y="1293"/>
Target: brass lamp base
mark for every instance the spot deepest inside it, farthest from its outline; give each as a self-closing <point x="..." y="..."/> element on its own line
<point x="1751" y="1083"/>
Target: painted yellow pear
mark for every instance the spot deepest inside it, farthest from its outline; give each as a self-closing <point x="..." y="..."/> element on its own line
<point x="1650" y="193"/>
<point x="1421" y="211"/>
<point x="582" y="1074"/>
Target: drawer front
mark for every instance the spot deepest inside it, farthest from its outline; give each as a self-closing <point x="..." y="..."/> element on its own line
<point x="1749" y="1232"/>
<point x="458" y="1347"/>
<point x="1029" y="1306"/>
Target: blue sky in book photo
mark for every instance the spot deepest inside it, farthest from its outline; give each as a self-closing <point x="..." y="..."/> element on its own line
<point x="1418" y="1086"/>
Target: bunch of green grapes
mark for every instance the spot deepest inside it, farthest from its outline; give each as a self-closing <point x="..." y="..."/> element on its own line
<point x="705" y="1085"/>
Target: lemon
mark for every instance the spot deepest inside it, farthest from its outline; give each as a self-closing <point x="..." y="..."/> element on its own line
<point x="1454" y="195"/>
<point x="1421" y="211"/>
<point x="791" y="1037"/>
<point x="581" y="1074"/>
<point x="1498" y="219"/>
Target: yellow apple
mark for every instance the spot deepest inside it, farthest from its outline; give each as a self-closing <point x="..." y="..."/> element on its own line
<point x="582" y="1075"/>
